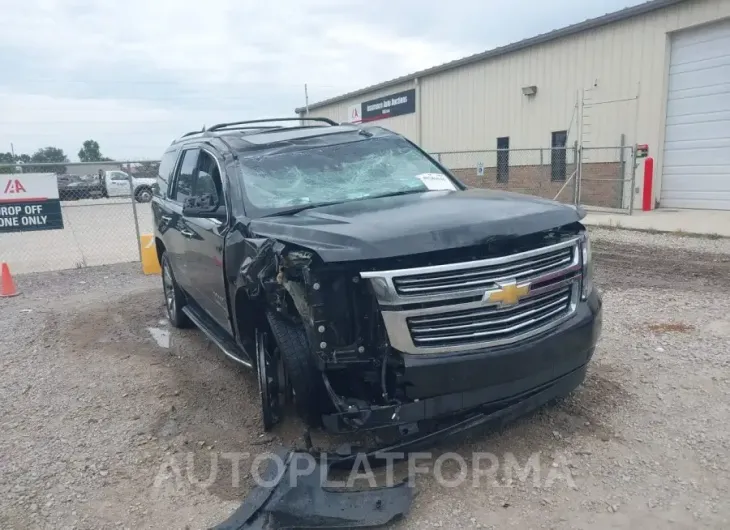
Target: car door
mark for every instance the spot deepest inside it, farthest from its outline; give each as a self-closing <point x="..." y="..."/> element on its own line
<point x="178" y="233"/>
<point x="117" y="184"/>
<point x="204" y="244"/>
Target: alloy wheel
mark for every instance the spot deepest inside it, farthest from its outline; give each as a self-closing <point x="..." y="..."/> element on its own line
<point x="169" y="289"/>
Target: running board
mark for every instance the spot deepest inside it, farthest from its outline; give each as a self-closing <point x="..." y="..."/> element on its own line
<point x="227" y="346"/>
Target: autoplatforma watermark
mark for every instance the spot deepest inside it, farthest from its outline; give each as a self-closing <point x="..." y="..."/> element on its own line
<point x="450" y="470"/>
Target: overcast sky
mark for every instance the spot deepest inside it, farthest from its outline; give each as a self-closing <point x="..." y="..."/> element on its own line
<point x="134" y="74"/>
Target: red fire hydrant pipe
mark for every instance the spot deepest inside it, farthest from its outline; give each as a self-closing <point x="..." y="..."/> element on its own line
<point x="648" y="198"/>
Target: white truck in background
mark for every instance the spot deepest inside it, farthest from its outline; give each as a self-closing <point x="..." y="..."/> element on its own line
<point x="115" y="183"/>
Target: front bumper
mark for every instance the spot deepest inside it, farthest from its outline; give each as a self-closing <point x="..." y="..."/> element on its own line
<point x="443" y="385"/>
<point x="462" y="424"/>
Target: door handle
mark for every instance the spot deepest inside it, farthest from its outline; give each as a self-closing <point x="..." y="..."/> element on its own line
<point x="187" y="233"/>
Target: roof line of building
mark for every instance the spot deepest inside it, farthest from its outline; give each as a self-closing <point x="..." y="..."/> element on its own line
<point x="592" y="23"/>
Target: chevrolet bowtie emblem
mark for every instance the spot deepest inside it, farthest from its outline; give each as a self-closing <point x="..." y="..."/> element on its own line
<point x="508" y="293"/>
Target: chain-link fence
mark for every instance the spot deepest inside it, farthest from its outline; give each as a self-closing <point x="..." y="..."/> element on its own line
<point x="545" y="172"/>
<point x="606" y="178"/>
<point x="102" y="209"/>
<point x="597" y="177"/>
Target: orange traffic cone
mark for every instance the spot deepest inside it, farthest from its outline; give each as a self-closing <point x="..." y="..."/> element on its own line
<point x="7" y="285"/>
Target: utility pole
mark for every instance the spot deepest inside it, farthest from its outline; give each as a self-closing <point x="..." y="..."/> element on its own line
<point x="12" y="153"/>
<point x="306" y="100"/>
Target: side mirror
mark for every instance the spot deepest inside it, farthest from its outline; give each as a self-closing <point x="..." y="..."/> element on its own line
<point x="205" y="206"/>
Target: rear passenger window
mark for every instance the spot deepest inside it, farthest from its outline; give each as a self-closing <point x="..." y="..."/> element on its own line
<point x="184" y="182"/>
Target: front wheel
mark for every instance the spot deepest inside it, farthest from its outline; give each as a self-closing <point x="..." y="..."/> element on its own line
<point x="174" y="297"/>
<point x="270" y="381"/>
<point x="303" y="380"/>
<point x="143" y="195"/>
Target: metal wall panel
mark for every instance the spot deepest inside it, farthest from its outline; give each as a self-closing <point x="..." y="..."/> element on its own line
<point x="469" y="107"/>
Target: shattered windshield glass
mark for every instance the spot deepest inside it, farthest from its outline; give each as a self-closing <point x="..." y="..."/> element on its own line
<point x="339" y="173"/>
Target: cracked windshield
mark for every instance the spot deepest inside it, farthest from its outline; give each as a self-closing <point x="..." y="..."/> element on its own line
<point x="340" y="173"/>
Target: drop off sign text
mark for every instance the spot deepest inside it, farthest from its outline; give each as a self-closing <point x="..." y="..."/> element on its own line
<point x="31" y="215"/>
<point x="29" y="202"/>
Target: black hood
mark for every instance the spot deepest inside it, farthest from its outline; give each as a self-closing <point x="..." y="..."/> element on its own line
<point x="410" y="224"/>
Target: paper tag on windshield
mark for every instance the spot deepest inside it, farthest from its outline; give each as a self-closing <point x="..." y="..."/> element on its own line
<point x="436" y="181"/>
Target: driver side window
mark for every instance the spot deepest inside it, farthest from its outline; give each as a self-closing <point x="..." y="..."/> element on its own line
<point x="185" y="173"/>
<point x="208" y="178"/>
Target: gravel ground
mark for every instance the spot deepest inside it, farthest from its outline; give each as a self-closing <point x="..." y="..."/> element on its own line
<point x="97" y="410"/>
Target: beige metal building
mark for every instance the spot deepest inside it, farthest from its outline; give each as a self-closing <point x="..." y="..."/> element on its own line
<point x="656" y="74"/>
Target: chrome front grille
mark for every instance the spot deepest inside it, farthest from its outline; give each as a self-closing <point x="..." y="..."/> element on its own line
<point x="449" y="308"/>
<point x="492" y="323"/>
<point x="484" y="277"/>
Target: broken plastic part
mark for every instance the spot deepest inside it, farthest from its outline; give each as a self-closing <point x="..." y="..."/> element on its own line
<point x="299" y="499"/>
<point x="298" y="296"/>
<point x="260" y="263"/>
<point x="299" y="257"/>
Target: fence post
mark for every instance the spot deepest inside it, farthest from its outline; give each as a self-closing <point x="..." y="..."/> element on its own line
<point x="633" y="179"/>
<point x="136" y="219"/>
<point x="622" y="169"/>
<point x="577" y="155"/>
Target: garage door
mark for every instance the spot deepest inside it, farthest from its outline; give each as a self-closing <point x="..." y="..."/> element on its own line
<point x="697" y="141"/>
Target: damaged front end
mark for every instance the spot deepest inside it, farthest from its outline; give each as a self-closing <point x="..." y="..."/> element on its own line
<point x="414" y="348"/>
<point x="328" y="337"/>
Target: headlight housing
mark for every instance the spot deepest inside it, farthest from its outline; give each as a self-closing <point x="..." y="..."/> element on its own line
<point x="586" y="266"/>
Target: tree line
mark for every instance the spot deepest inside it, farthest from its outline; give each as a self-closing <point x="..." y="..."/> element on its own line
<point x="89" y="152"/>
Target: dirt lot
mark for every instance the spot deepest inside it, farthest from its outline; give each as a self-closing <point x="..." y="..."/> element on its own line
<point x="95" y="410"/>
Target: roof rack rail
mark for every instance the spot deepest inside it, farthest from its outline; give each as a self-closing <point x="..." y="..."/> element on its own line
<point x="226" y="125"/>
<point x="252" y="127"/>
<point x="193" y="132"/>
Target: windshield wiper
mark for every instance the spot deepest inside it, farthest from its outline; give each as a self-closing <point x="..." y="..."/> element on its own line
<point x="394" y="194"/>
<point x="296" y="209"/>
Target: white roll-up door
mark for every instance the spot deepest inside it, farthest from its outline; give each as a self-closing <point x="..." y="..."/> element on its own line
<point x="696" y="167"/>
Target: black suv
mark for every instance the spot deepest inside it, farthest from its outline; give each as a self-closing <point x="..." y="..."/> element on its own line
<point x="365" y="284"/>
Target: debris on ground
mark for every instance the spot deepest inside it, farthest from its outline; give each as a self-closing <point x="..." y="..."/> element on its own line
<point x="288" y="499"/>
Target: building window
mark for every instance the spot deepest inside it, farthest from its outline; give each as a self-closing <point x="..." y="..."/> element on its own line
<point x="558" y="156"/>
<point x="503" y="159"/>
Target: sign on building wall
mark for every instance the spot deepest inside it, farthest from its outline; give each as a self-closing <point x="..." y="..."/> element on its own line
<point x="389" y="106"/>
<point x="354" y="114"/>
<point x="29" y="202"/>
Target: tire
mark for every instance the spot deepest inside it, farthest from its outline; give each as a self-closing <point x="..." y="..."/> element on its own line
<point x="267" y="376"/>
<point x="304" y="378"/>
<point x="143" y="194"/>
<point x="174" y="297"/>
